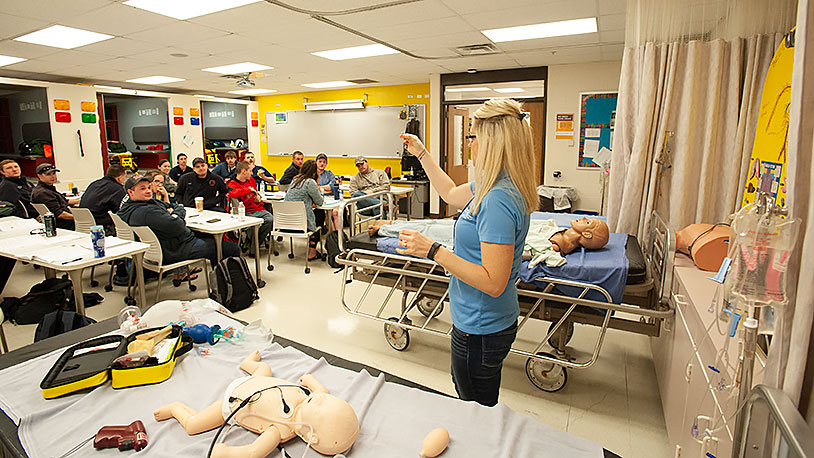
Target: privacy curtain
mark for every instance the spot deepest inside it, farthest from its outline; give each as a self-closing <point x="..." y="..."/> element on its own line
<point x="707" y="95"/>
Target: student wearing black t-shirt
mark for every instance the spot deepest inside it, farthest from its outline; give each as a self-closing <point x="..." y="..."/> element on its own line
<point x="202" y="183"/>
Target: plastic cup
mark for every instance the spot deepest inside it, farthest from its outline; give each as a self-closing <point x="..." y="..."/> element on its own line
<point x="199" y="204"/>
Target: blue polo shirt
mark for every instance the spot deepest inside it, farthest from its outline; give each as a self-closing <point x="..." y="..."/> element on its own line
<point x="501" y="219"/>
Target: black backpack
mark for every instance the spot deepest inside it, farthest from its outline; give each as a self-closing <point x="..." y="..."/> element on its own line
<point x="45" y="297"/>
<point x="59" y="322"/>
<point x="232" y="284"/>
<point x="332" y="247"/>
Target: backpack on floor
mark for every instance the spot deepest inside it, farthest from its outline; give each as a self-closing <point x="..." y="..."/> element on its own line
<point x="232" y="284"/>
<point x="332" y="247"/>
<point x="60" y="322"/>
<point x="45" y="297"/>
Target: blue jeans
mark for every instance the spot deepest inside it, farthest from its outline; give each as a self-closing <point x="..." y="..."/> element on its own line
<point x="364" y="203"/>
<point x="263" y="231"/>
<point x="204" y="247"/>
<point x="477" y="361"/>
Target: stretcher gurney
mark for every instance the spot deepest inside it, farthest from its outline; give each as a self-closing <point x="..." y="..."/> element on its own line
<point x="423" y="286"/>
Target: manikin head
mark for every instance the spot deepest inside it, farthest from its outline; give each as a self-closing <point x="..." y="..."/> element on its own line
<point x="334" y="421"/>
<point x="182" y="160"/>
<point x="589" y="233"/>
<point x="243" y="171"/>
<point x="200" y="167"/>
<point x="231" y="158"/>
<point x="10" y="168"/>
<point x="297" y="158"/>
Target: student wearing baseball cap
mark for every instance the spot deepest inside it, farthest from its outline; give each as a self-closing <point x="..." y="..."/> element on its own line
<point x="202" y="183"/>
<point x="45" y="193"/>
<point x="366" y="182"/>
<point x="326" y="179"/>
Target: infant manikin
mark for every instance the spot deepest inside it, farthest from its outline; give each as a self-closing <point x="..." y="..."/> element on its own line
<point x="276" y="409"/>
<point x="592" y="234"/>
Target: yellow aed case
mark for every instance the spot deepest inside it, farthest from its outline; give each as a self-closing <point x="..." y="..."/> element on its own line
<point x="89" y="364"/>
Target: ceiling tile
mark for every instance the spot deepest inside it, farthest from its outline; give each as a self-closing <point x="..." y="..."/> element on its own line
<point x="225" y="44"/>
<point x="612" y="52"/>
<point x="478" y="6"/>
<point x="14" y="26"/>
<point x="442" y="42"/>
<point x="175" y="34"/>
<point x="546" y="43"/>
<point x="492" y="62"/>
<point x="260" y="16"/>
<point x="533" y="14"/>
<point x="39" y="66"/>
<point x="163" y="55"/>
<point x="613" y="36"/>
<point x="427" y="10"/>
<point x="429" y="28"/>
<point x="50" y="10"/>
<point x="119" y="47"/>
<point x="74" y="57"/>
<point x="27" y="50"/>
<point x="122" y="64"/>
<point x="564" y="56"/>
<point x="612" y="22"/>
<point x="119" y="19"/>
<point x="612" y="6"/>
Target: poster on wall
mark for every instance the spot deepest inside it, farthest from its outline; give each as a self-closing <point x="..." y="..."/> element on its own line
<point x="596" y="123"/>
<point x="565" y="126"/>
<point x="281" y="117"/>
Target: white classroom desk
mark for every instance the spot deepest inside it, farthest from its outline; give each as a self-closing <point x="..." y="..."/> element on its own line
<point x="226" y="222"/>
<point x="18" y="243"/>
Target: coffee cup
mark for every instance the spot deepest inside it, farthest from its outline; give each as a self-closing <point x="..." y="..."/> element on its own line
<point x="199" y="204"/>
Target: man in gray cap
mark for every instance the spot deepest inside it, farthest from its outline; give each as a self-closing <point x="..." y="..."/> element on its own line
<point x="326" y="179"/>
<point x="46" y="193"/>
<point x="366" y="182"/>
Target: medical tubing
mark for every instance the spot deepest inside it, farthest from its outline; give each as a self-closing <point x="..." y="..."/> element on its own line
<point x="77" y="446"/>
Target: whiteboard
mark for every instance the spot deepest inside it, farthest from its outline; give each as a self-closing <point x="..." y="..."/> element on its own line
<point x="373" y="131"/>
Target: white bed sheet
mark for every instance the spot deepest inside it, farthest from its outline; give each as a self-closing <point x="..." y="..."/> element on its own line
<point x="394" y="418"/>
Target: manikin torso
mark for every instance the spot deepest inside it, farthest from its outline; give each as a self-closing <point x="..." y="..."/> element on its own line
<point x="566" y="241"/>
<point x="268" y="401"/>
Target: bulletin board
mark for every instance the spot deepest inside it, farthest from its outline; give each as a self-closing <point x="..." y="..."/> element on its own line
<point x="597" y="116"/>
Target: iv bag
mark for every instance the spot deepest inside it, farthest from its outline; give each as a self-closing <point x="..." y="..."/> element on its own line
<point x="760" y="251"/>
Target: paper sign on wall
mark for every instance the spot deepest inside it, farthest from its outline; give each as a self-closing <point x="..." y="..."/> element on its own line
<point x="194" y="112"/>
<point x="565" y="126"/>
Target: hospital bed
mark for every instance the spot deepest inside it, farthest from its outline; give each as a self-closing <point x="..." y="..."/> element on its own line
<point x="413" y="284"/>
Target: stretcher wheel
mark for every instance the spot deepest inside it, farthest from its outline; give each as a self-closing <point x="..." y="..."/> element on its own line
<point x="566" y="332"/>
<point x="545" y="375"/>
<point x="130" y="300"/>
<point x="290" y="255"/>
<point x="108" y="288"/>
<point x="270" y="268"/>
<point x="176" y="283"/>
<point x="426" y="305"/>
<point x="94" y="283"/>
<point x="396" y="336"/>
<point x="192" y="287"/>
<point x="308" y="270"/>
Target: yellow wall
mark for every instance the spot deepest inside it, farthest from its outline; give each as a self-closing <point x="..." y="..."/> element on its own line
<point x="382" y="95"/>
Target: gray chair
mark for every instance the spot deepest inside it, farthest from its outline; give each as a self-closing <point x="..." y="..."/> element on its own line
<point x="124" y="232"/>
<point x="83" y="220"/>
<point x="41" y="208"/>
<point x="154" y="259"/>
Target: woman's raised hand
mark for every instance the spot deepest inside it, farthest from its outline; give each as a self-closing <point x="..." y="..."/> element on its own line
<point x="413" y="144"/>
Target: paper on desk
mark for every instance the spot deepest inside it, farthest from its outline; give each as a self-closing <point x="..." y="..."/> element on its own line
<point x="14" y="224"/>
<point x="62" y="254"/>
<point x="21" y="245"/>
<point x="275" y="195"/>
<point x="602" y="157"/>
<point x="593" y="132"/>
<point x="591" y="148"/>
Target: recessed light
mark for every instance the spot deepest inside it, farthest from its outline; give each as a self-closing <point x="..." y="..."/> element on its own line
<point x="59" y="36"/>
<point x="468" y="89"/>
<point x="185" y="9"/>
<point x="330" y="84"/>
<point x="101" y="86"/>
<point x="243" y="67"/>
<point x="253" y="91"/>
<point x="509" y="90"/>
<point x="205" y="96"/>
<point x="544" y="30"/>
<point x="356" y="52"/>
<point x="8" y="60"/>
<point x="155" y="80"/>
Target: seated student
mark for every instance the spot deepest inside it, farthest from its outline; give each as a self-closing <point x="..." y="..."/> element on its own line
<point x="14" y="188"/>
<point x="304" y="189"/>
<point x="157" y="180"/>
<point x="169" y="184"/>
<point x="201" y="183"/>
<point x="367" y="181"/>
<point x="180" y="169"/>
<point x="105" y="194"/>
<point x="46" y="193"/>
<point x="244" y="188"/>
<point x="226" y="169"/>
<point x="258" y="171"/>
<point x="293" y="169"/>
<point x="166" y="220"/>
<point x="327" y="179"/>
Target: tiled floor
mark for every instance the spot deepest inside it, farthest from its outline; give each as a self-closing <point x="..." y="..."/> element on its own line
<point x="615" y="402"/>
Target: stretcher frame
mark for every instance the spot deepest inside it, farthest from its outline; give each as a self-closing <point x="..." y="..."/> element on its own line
<point x="424" y="285"/>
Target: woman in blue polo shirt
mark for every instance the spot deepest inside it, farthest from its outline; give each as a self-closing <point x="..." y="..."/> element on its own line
<point x="489" y="238"/>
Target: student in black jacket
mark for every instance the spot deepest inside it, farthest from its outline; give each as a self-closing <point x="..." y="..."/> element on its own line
<point x="14" y="188"/>
<point x="202" y="183"/>
<point x="45" y="193"/>
<point x="166" y="220"/>
<point x="293" y="169"/>
<point x="180" y="169"/>
<point x="105" y="194"/>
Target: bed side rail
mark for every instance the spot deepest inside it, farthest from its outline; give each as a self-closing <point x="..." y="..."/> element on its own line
<point x="769" y="410"/>
<point x="350" y="204"/>
<point x="660" y="254"/>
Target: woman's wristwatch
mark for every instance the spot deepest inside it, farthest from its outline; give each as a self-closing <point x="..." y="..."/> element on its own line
<point x="433" y="249"/>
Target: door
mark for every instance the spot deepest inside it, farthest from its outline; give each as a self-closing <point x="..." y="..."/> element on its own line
<point x="457" y="148"/>
<point x="536" y="111"/>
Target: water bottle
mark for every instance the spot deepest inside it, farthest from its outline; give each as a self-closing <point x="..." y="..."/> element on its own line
<point x="97" y="241"/>
<point x="241" y="209"/>
<point x="50" y="222"/>
<point x="262" y="186"/>
<point x="336" y="191"/>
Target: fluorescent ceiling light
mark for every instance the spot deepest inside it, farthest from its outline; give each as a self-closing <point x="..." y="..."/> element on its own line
<point x="8" y="60"/>
<point x="101" y="86"/>
<point x="63" y="37"/>
<point x="330" y="84"/>
<point x="356" y="52"/>
<point x="253" y="91"/>
<point x="544" y="30"/>
<point x="335" y="105"/>
<point x="155" y="80"/>
<point x="204" y="95"/>
<point x="509" y="90"/>
<point x="185" y="9"/>
<point x="468" y="89"/>
<point x="244" y="67"/>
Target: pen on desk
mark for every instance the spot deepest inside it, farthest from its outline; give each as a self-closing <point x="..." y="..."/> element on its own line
<point x="72" y="260"/>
